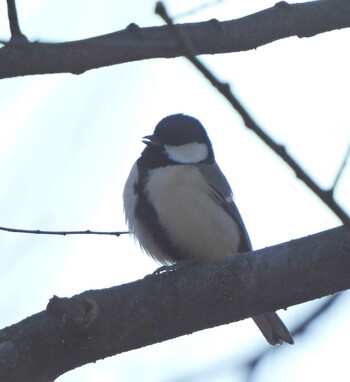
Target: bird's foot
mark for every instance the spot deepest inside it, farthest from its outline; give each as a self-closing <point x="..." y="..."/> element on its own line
<point x="166" y="269"/>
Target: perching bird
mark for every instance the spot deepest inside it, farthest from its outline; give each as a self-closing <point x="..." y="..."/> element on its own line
<point x="179" y="205"/>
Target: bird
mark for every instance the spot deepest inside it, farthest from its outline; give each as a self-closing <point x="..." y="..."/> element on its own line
<point x="180" y="207"/>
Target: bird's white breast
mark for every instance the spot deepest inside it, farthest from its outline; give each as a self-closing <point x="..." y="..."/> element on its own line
<point x="190" y="213"/>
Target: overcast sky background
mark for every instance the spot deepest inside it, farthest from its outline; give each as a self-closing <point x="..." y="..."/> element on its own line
<point x="68" y="142"/>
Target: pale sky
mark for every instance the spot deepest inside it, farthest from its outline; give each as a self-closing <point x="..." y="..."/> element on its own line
<point x="68" y="142"/>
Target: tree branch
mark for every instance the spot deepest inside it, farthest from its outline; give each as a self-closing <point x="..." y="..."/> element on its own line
<point x="100" y="323"/>
<point x="13" y="20"/>
<point x="63" y="233"/>
<point x="211" y="37"/>
<point x="340" y="171"/>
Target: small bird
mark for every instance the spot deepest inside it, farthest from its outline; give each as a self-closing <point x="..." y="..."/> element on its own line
<point x="179" y="205"/>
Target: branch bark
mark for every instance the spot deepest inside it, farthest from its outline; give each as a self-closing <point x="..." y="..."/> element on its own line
<point x="13" y="20"/>
<point x="102" y="323"/>
<point x="211" y="37"/>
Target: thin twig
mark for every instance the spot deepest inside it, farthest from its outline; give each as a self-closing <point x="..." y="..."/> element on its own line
<point x="341" y="170"/>
<point x="322" y="308"/>
<point x="63" y="233"/>
<point x="224" y="89"/>
<point x="197" y="9"/>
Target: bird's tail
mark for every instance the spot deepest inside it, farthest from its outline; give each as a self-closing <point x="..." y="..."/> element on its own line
<point x="273" y="328"/>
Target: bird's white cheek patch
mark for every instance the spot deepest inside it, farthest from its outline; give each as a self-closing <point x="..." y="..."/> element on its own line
<point x="189" y="153"/>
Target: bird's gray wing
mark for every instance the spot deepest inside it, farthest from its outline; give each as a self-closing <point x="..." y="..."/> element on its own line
<point x="269" y="323"/>
<point x="216" y="179"/>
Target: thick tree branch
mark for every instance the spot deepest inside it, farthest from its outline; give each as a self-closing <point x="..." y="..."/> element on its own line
<point x="211" y="37"/>
<point x="101" y="323"/>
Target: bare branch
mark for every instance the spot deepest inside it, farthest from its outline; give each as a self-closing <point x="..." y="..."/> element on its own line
<point x="249" y="122"/>
<point x="63" y="233"/>
<point x="16" y="34"/>
<point x="341" y="170"/>
<point x="211" y="37"/>
<point x="198" y="8"/>
<point x="13" y="18"/>
<point x="100" y="323"/>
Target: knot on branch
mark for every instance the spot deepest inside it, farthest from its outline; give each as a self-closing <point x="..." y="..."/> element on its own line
<point x="74" y="313"/>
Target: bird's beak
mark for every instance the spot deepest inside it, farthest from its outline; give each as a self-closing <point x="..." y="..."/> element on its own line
<point x="150" y="140"/>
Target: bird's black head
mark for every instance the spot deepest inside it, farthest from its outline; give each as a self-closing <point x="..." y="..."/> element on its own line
<point x="180" y="129"/>
<point x="177" y="139"/>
